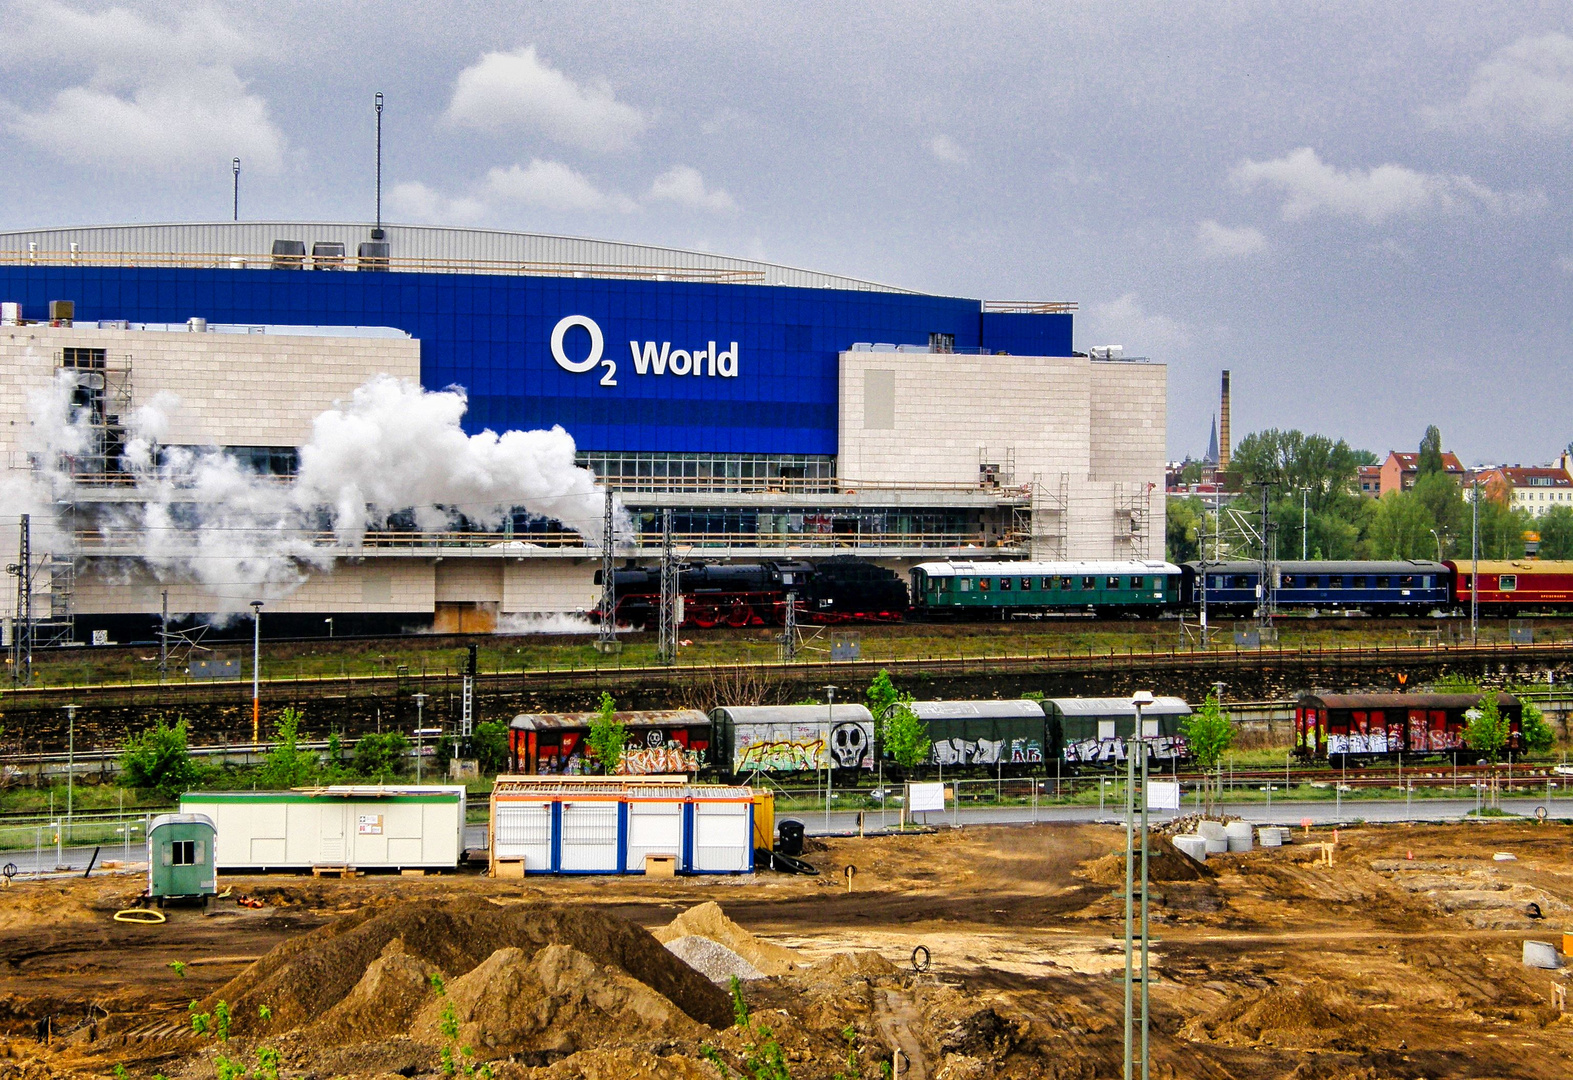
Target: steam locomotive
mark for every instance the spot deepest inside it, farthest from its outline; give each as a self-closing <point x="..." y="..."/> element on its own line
<point x="840" y="589"/>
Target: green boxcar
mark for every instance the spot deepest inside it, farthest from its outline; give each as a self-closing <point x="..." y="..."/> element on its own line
<point x="1032" y="589"/>
<point x="180" y="857"/>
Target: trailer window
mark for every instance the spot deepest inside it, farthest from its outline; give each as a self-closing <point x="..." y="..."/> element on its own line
<point x="1508" y="582"/>
<point x="184" y="853"/>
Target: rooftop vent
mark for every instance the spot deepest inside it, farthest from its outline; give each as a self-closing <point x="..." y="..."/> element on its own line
<point x="372" y="255"/>
<point x="327" y="255"/>
<point x="289" y="254"/>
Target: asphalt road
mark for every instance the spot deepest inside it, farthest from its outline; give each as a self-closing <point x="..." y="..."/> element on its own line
<point x="1351" y="811"/>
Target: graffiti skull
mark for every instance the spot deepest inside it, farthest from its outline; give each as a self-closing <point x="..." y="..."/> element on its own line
<point x="848" y="745"/>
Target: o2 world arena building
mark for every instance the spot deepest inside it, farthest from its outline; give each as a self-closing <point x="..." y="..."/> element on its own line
<point x="199" y="416"/>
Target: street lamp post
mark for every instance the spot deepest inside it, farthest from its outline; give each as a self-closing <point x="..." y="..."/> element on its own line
<point x="420" y="733"/>
<point x="256" y="677"/>
<point x="235" y="168"/>
<point x="1474" y="562"/>
<point x="70" y="759"/>
<point x="377" y="233"/>
<point x="1140" y="699"/>
<point x="1305" y="535"/>
<point x="329" y="621"/>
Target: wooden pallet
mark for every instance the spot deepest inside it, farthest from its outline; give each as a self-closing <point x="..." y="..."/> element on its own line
<point x="333" y="871"/>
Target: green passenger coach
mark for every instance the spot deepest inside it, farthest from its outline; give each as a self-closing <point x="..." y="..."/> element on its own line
<point x="1034" y="589"/>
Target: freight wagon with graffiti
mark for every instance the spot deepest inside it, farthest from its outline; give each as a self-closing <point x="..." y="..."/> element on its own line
<point x="1339" y="726"/>
<point x="793" y="738"/>
<point x="1000" y="736"/>
<point x="1091" y="733"/>
<point x="659" y="742"/>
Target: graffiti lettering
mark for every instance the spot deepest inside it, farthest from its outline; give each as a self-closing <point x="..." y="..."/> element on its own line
<point x="783" y="755"/>
<point x="653" y="760"/>
<point x="959" y="751"/>
<point x="1109" y="751"/>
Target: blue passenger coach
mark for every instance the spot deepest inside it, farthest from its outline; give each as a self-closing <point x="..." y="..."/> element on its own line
<point x="1409" y="586"/>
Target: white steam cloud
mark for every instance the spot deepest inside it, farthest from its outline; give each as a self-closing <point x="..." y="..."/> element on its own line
<point x="203" y="516"/>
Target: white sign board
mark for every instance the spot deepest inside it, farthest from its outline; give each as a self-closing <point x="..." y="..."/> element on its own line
<point x="368" y="824"/>
<point x="1163" y="795"/>
<point x="925" y="797"/>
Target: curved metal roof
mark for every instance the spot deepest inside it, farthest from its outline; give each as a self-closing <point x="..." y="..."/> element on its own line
<point x="249" y="245"/>
<point x="1331" y="566"/>
<point x="1091" y="706"/>
<point x="793" y="714"/>
<point x="1045" y="569"/>
<point x="1009" y="709"/>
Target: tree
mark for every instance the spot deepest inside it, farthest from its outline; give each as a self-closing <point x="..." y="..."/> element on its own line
<point x="1400" y="528"/>
<point x="489" y="743"/>
<point x="607" y="736"/>
<point x="1209" y="735"/>
<point x="380" y="755"/>
<point x="1487" y="731"/>
<point x="1539" y="736"/>
<point x="903" y="737"/>
<point x="1429" y="462"/>
<point x="1439" y="494"/>
<point x="1556" y="533"/>
<point x="158" y="760"/>
<point x="1184" y="529"/>
<point x="287" y="765"/>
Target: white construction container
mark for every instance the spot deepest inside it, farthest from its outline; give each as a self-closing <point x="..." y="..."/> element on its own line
<point x="358" y="827"/>
<point x="611" y="825"/>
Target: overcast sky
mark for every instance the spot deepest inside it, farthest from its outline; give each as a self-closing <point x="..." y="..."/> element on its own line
<point x="1362" y="209"/>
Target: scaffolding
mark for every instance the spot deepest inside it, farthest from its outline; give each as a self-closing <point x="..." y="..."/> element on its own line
<point x="1132" y="520"/>
<point x="1045" y="520"/>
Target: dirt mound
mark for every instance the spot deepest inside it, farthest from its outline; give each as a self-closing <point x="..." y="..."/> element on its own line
<point x="1164" y="863"/>
<point x="712" y="959"/>
<point x="383" y="1002"/>
<point x="707" y="920"/>
<point x="984" y="1035"/>
<point x="1298" y="1017"/>
<point x="866" y="966"/>
<point x="623" y="1065"/>
<point x="305" y="977"/>
<point x="556" y="1001"/>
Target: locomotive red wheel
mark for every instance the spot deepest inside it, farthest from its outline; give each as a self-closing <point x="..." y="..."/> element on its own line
<point x="740" y="615"/>
<point x="704" y="617"/>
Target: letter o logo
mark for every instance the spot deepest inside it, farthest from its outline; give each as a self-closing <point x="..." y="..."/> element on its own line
<point x="597" y="343"/>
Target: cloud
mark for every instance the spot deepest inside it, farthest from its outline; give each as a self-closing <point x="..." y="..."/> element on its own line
<point x="415" y="202"/>
<point x="203" y="116"/>
<point x="1528" y="84"/>
<point x="1310" y="185"/>
<point x="1223" y="242"/>
<point x="683" y="185"/>
<point x="506" y="92"/>
<point x="550" y="185"/>
<point x="945" y="148"/>
<point x="159" y="98"/>
<point x="1143" y="333"/>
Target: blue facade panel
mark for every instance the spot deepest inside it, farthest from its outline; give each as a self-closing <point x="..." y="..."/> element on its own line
<point x="1027" y="335"/>
<point x="776" y="393"/>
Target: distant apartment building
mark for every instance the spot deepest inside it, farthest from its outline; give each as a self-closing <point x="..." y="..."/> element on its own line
<point x="1535" y="488"/>
<point x="1398" y="472"/>
<point x="1369" y="480"/>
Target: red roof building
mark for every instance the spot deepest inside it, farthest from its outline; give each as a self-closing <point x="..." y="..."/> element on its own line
<point x="1534" y="488"/>
<point x="1398" y="472"/>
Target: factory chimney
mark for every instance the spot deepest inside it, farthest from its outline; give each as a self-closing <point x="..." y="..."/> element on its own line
<point x="1223" y="426"/>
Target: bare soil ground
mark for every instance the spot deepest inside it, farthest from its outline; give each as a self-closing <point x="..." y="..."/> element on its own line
<point x="1400" y="960"/>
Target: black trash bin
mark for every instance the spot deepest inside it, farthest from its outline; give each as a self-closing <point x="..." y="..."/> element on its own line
<point x="791" y="838"/>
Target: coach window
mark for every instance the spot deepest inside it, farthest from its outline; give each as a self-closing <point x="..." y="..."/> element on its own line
<point x="1242" y="582"/>
<point x="1005" y="584"/>
<point x="1111" y="583"/>
<point x="963" y="584"/>
<point x="983" y="584"/>
<point x="1026" y="584"/>
<point x="1089" y="583"/>
<point x="1384" y="583"/>
<point x="1048" y="583"/>
<point x="1335" y="581"/>
<point x="1065" y="582"/>
<point x="1137" y="583"/>
<point x="1287" y="582"/>
<point x="1217" y="581"/>
<point x="1508" y="582"/>
<point x="1406" y="581"/>
<point x="1357" y="582"/>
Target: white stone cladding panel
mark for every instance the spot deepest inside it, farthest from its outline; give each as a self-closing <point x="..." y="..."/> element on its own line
<point x="105" y="588"/>
<point x="1129" y="424"/>
<point x="544" y="586"/>
<point x="949" y="407"/>
<point x="469" y="581"/>
<point x="233" y="389"/>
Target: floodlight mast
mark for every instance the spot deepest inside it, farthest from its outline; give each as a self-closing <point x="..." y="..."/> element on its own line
<point x="377" y="233"/>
